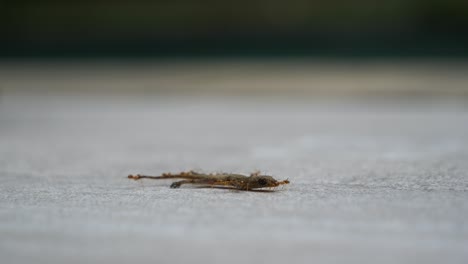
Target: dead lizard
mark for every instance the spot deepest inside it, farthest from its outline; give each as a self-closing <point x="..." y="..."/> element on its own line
<point x="234" y="181"/>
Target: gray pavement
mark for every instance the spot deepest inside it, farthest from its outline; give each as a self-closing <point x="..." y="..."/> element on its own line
<point x="371" y="180"/>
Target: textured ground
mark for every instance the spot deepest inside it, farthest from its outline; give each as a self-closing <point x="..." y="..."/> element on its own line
<point x="371" y="181"/>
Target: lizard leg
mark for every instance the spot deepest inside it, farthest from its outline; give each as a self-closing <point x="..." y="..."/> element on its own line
<point x="177" y="184"/>
<point x="209" y="182"/>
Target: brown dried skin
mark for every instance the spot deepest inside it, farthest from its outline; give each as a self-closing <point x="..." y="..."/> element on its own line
<point x="236" y="181"/>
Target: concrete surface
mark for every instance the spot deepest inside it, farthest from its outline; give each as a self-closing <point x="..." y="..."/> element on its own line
<point x="371" y="181"/>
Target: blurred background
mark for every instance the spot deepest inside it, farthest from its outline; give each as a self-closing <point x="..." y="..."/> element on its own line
<point x="359" y="28"/>
<point x="299" y="47"/>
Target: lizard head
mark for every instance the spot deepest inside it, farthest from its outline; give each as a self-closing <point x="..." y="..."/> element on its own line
<point x="263" y="181"/>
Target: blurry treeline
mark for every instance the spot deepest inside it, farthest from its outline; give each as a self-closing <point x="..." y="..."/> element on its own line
<point x="253" y="27"/>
